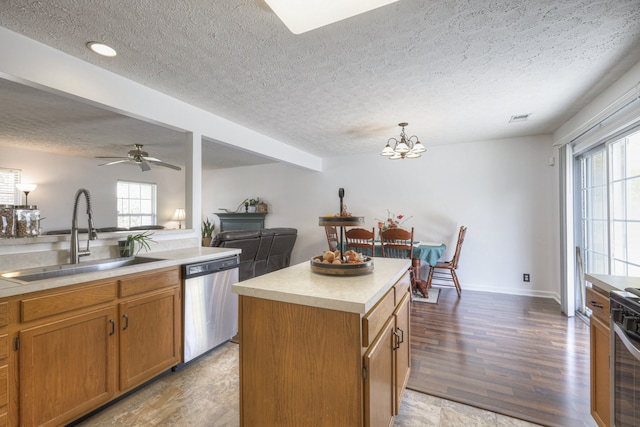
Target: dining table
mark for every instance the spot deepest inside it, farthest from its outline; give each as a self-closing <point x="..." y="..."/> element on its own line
<point x="429" y="252"/>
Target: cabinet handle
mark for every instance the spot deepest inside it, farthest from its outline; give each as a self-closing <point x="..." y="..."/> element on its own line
<point x="113" y="326"/>
<point x="401" y="336"/>
<point x="595" y="304"/>
<point x="126" y="321"/>
<point x="395" y="347"/>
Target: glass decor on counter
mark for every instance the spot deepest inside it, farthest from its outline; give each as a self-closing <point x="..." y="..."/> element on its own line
<point x="7" y="215"/>
<point x="27" y="221"/>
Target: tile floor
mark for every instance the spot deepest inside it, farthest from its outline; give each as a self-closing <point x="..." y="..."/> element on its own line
<point x="204" y="394"/>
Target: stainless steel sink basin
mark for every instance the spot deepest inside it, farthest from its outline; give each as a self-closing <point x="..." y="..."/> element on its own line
<point x="55" y="271"/>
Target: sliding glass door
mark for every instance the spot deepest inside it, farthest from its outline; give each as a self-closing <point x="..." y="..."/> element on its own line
<point x="609" y="200"/>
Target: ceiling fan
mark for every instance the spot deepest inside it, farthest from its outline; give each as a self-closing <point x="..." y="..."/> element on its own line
<point x="141" y="158"/>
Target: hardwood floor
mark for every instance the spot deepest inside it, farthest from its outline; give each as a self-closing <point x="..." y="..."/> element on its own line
<point x="519" y="356"/>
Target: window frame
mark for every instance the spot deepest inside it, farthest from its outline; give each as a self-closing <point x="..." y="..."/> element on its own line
<point x="5" y="198"/>
<point x="137" y="209"/>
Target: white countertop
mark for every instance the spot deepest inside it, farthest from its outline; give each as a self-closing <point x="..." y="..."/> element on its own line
<point x="299" y="285"/>
<point x="610" y="283"/>
<point x="11" y="287"/>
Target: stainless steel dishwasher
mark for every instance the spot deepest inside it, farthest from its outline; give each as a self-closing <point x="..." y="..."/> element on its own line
<point x="210" y="308"/>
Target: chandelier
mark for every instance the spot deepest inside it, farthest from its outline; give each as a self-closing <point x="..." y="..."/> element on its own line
<point x="406" y="148"/>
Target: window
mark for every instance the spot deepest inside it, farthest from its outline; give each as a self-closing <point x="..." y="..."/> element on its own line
<point x="625" y="206"/>
<point x="610" y="207"/>
<point x="9" y="194"/>
<point x="136" y="204"/>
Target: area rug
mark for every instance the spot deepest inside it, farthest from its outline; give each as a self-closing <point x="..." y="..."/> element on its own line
<point x="434" y="293"/>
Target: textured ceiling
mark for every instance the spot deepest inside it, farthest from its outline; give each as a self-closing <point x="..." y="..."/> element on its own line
<point x="456" y="70"/>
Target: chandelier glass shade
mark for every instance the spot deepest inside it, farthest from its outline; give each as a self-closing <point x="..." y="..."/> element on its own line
<point x="405" y="147"/>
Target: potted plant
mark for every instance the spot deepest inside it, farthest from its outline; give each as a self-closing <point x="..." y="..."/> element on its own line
<point x="207" y="232"/>
<point x="253" y="204"/>
<point x="128" y="247"/>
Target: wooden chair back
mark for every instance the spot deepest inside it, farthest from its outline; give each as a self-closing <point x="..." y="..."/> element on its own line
<point x="332" y="237"/>
<point x="456" y="255"/>
<point x="397" y="243"/>
<point x="361" y="240"/>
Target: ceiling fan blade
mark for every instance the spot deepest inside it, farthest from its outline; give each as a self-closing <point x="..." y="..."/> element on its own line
<point x="151" y="159"/>
<point x="114" y="162"/>
<point x="111" y="157"/>
<point x="166" y="165"/>
<point x="144" y="166"/>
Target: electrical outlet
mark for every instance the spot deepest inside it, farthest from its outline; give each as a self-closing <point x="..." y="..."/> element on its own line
<point x="525" y="277"/>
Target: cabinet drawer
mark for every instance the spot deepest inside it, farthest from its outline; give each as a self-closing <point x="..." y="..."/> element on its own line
<point x="4" y="385"/>
<point x="141" y="283"/>
<point x="62" y="302"/>
<point x="4" y="314"/>
<point x="402" y="287"/>
<point x="4" y="347"/>
<point x="598" y="304"/>
<point x="373" y="321"/>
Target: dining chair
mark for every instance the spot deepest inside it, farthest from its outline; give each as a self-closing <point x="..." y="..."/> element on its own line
<point x="446" y="271"/>
<point x="398" y="243"/>
<point x="332" y="237"/>
<point x="360" y="240"/>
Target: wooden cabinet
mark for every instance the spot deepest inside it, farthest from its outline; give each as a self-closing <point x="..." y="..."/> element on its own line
<point x="76" y="348"/>
<point x="379" y="381"/>
<point x="598" y="302"/>
<point x="67" y="368"/>
<point x="4" y="363"/>
<point x="149" y="337"/>
<point x="306" y="365"/>
<point x="402" y="316"/>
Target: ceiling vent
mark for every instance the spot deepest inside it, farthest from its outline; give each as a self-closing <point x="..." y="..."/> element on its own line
<point x="519" y="118"/>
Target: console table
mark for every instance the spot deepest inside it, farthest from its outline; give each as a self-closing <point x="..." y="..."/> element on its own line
<point x="241" y="221"/>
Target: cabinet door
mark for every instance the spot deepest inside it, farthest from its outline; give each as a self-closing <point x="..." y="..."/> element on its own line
<point x="600" y="349"/>
<point x="379" y="384"/>
<point x="150" y="336"/>
<point x="403" y="354"/>
<point x="67" y="368"/>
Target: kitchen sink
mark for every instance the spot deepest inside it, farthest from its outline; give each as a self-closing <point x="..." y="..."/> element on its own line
<point x="62" y="270"/>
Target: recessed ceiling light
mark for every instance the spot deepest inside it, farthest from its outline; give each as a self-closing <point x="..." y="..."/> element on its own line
<point x="519" y="118"/>
<point x="101" y="49"/>
<point x="301" y="16"/>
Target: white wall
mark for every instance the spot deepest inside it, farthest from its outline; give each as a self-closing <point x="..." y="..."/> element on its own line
<point x="504" y="191"/>
<point x="59" y="177"/>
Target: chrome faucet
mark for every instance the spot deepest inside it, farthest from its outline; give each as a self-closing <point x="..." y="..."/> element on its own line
<point x="75" y="254"/>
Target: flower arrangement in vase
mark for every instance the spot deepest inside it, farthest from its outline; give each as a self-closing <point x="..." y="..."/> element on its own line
<point x="392" y="221"/>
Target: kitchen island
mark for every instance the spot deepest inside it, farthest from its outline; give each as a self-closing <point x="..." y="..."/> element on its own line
<point x="324" y="350"/>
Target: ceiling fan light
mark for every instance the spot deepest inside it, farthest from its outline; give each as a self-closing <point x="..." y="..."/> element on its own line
<point x="396" y="156"/>
<point x="412" y="155"/>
